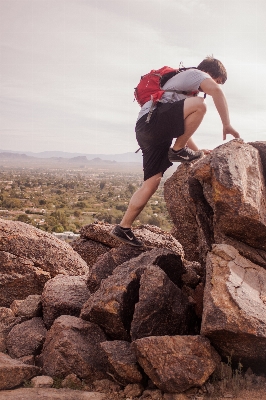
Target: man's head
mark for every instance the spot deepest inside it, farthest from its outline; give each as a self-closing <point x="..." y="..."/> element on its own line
<point x="214" y="68"/>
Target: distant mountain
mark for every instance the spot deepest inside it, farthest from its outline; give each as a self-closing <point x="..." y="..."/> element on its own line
<point x="123" y="157"/>
<point x="14" y="156"/>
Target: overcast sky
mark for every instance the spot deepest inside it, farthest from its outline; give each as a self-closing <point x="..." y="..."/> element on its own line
<point x="68" y="68"/>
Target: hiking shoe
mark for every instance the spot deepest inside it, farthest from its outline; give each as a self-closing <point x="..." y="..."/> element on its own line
<point x="125" y="236"/>
<point x="184" y="155"/>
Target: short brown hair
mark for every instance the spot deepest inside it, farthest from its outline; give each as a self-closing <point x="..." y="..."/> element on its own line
<point x="214" y="68"/>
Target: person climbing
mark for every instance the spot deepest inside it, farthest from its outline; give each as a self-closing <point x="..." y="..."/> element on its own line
<point x="177" y="115"/>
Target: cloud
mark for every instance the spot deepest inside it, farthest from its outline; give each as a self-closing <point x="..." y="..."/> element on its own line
<point x="69" y="67"/>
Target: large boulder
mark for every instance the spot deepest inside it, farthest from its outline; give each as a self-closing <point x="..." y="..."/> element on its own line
<point x="73" y="346"/>
<point x="160" y="301"/>
<point x="234" y="316"/>
<point x="29" y="257"/>
<point x="112" y="305"/>
<point x="176" y="363"/>
<point x="222" y="201"/>
<point x="63" y="295"/>
<point x="13" y="372"/>
<point x="26" y="338"/>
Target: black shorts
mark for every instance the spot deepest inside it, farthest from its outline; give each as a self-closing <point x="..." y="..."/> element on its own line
<point x="155" y="138"/>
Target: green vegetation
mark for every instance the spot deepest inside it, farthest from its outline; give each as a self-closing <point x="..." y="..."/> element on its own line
<point x="55" y="200"/>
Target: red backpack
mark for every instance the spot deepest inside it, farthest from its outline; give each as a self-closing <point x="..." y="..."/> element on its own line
<point x="150" y="86"/>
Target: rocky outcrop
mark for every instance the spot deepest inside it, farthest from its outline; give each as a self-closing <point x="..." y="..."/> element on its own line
<point x="234" y="316"/>
<point x="223" y="199"/>
<point x="63" y="295"/>
<point x="149" y="319"/>
<point x="29" y="257"/>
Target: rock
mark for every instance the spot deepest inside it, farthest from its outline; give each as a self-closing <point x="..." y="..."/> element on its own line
<point x="26" y="338"/>
<point x="182" y="211"/>
<point x="133" y="390"/>
<point x="234" y="187"/>
<point x="63" y="295"/>
<point x="123" y="363"/>
<point x="73" y="346"/>
<point x="112" y="305"/>
<point x="261" y="147"/>
<point x="234" y="316"/>
<point x="176" y="363"/>
<point x="106" y="386"/>
<point x="51" y="394"/>
<point x="220" y="199"/>
<point x="160" y="301"/>
<point x="194" y="274"/>
<point x="176" y="396"/>
<point x="99" y="232"/>
<point x="6" y="314"/>
<point x="257" y="256"/>
<point x="151" y="394"/>
<point x="72" y="381"/>
<point x="107" y="262"/>
<point x="42" y="381"/>
<point x="29" y="257"/>
<point x="14" y="373"/>
<point x="30" y="307"/>
<point x="30" y="360"/>
<point x="7" y="321"/>
<point x="151" y="236"/>
<point x="15" y="305"/>
<point x="89" y="250"/>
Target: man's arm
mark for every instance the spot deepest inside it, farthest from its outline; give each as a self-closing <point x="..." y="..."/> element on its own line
<point x="210" y="87"/>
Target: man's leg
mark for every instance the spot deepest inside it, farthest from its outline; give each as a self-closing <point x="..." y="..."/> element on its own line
<point x="138" y="201"/>
<point x="194" y="111"/>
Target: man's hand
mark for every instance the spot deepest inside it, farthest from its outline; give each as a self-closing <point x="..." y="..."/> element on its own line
<point x="206" y="151"/>
<point x="229" y="130"/>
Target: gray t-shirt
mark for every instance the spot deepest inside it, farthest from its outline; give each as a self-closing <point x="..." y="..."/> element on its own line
<point x="188" y="80"/>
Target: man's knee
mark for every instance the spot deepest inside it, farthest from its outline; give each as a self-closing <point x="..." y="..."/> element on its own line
<point x="202" y="107"/>
<point x="153" y="183"/>
<point x="194" y="104"/>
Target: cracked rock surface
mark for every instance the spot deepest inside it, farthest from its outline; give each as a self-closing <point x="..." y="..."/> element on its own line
<point x="234" y="315"/>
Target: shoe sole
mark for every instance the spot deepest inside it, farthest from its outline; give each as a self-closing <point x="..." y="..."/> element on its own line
<point x="125" y="241"/>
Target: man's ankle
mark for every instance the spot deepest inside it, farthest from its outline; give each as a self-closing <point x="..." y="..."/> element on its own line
<point x="124" y="228"/>
<point x="177" y="150"/>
